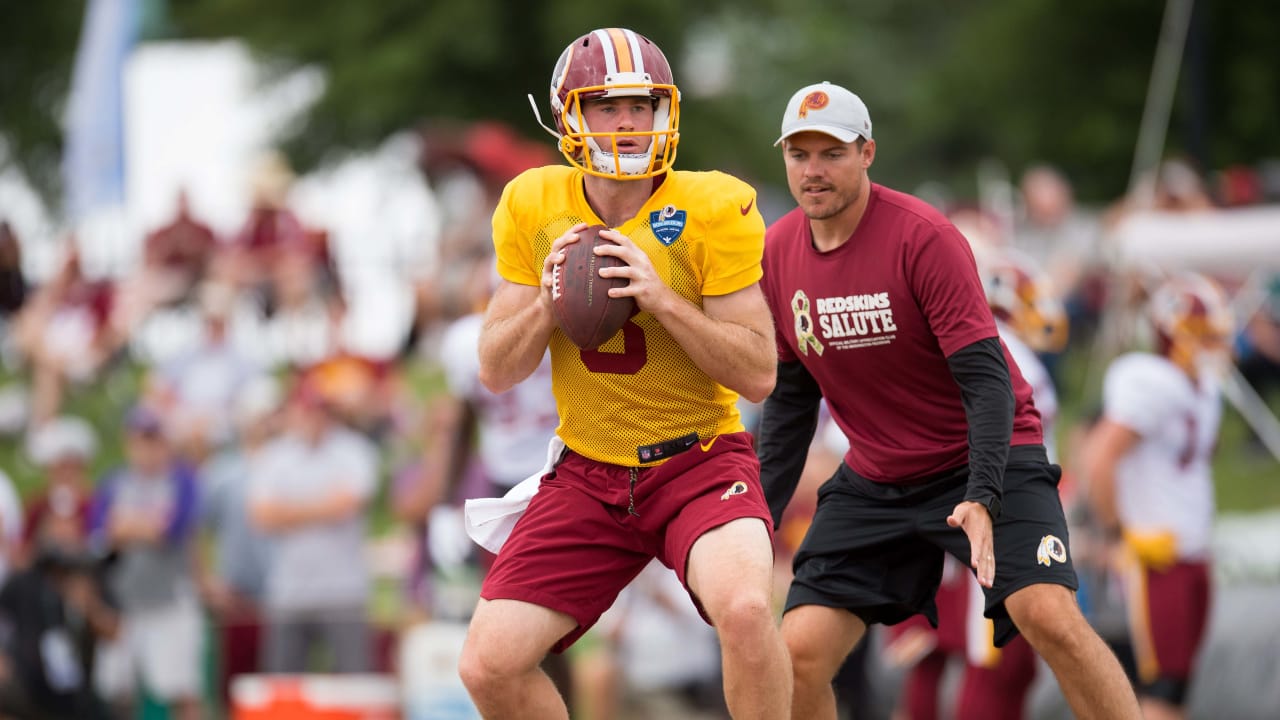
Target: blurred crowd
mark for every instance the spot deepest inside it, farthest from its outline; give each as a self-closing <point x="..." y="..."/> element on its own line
<point x="219" y="497"/>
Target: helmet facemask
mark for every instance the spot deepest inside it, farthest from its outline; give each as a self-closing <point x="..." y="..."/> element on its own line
<point x="613" y="63"/>
<point x="598" y="153"/>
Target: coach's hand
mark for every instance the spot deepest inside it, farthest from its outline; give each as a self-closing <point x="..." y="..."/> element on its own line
<point x="974" y="519"/>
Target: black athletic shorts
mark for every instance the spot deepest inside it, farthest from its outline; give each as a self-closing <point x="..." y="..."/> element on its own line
<point x="876" y="549"/>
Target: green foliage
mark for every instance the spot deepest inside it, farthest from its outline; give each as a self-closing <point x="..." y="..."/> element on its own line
<point x="37" y="47"/>
<point x="947" y="83"/>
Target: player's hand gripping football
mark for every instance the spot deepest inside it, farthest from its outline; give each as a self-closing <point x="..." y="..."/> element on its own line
<point x="975" y="520"/>
<point x="649" y="291"/>
<point x="555" y="256"/>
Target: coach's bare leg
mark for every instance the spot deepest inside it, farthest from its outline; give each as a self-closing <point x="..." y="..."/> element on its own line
<point x="1091" y="678"/>
<point x="506" y="642"/>
<point x="818" y="640"/>
<point x="730" y="569"/>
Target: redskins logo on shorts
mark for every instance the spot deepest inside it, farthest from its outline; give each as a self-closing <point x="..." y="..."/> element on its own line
<point x="738" y="488"/>
<point x="1051" y="548"/>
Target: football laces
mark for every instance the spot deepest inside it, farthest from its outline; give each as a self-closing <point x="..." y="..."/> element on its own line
<point x="555" y="282"/>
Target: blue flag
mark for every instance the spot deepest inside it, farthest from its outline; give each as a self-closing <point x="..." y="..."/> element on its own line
<point x="93" y="161"/>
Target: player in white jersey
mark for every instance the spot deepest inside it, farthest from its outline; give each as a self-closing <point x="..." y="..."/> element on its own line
<point x="512" y="428"/>
<point x="1151" y="485"/>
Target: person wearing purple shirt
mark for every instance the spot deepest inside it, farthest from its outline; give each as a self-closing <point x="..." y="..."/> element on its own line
<point x="145" y="514"/>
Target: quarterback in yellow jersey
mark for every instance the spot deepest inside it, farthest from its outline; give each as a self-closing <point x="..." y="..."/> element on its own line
<point x="657" y="463"/>
<point x="638" y="388"/>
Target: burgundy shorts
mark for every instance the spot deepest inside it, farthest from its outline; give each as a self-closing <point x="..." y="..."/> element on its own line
<point x="579" y="543"/>
<point x="1168" y="612"/>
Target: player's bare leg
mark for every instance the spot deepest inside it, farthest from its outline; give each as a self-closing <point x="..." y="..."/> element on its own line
<point x="506" y="642"/>
<point x="731" y="572"/>
<point x="1157" y="709"/>
<point x="818" y="640"/>
<point x="1091" y="678"/>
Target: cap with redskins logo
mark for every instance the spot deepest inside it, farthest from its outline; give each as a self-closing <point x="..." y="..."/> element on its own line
<point x="828" y="109"/>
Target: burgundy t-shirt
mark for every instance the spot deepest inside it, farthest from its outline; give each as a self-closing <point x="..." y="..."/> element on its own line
<point x="874" y="321"/>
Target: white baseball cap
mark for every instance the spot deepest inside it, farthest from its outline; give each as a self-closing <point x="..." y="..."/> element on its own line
<point x="828" y="109"/>
<point x="61" y="438"/>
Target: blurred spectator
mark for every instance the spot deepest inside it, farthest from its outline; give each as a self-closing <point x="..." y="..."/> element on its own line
<point x="10" y="524"/>
<point x="270" y="226"/>
<point x="195" y="391"/>
<point x="145" y="513"/>
<point x="176" y="256"/>
<point x="1063" y="240"/>
<point x="360" y="391"/>
<point x="59" y="511"/>
<point x="13" y="285"/>
<point x="233" y="590"/>
<point x="302" y="316"/>
<point x="1174" y="186"/>
<point x="53" y="614"/>
<point x="468" y="166"/>
<point x="1180" y="187"/>
<point x="1257" y="346"/>
<point x="309" y="491"/>
<point x="67" y="332"/>
<point x="1238" y="185"/>
<point x="1150" y="481"/>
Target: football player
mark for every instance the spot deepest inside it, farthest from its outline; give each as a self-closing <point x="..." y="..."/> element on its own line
<point x="657" y="461"/>
<point x="1150" y="480"/>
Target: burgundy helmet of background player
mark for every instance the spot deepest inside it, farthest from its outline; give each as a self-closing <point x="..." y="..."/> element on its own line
<point x="1021" y="296"/>
<point x="1192" y="320"/>
<point x="606" y="63"/>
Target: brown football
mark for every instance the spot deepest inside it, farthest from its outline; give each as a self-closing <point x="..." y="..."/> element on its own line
<point x="580" y="297"/>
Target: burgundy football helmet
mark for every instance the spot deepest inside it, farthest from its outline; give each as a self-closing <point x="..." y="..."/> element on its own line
<point x="1192" y="320"/>
<point x="614" y="62"/>
<point x="1020" y="296"/>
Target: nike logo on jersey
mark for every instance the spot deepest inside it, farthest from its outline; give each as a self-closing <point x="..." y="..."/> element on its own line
<point x="747" y="208"/>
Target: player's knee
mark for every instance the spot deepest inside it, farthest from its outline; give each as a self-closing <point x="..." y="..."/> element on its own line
<point x="811" y="663"/>
<point x="1048" y="616"/>
<point x="742" y="616"/>
<point x="483" y="667"/>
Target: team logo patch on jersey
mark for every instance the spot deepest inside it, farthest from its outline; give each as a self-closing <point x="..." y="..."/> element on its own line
<point x="1051" y="548"/>
<point x="805" y="338"/>
<point x="667" y="224"/>
<point x="738" y="488"/>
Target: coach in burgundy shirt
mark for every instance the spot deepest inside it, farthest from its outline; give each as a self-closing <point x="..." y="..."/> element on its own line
<point x="879" y="309"/>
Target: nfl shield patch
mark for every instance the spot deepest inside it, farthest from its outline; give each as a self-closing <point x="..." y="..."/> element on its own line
<point x="667" y="224"/>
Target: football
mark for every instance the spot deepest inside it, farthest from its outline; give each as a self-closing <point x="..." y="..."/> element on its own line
<point x="580" y="297"/>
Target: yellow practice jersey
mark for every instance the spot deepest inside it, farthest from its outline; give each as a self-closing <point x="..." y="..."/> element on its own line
<point x="705" y="236"/>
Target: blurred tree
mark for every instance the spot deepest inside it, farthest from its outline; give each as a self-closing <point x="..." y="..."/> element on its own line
<point x="947" y="83"/>
<point x="37" y="49"/>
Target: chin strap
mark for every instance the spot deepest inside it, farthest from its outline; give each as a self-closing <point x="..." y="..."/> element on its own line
<point x="534" y="104"/>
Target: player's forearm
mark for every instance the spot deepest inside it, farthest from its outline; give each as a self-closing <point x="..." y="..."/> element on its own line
<point x="739" y="357"/>
<point x="730" y="338"/>
<point x="512" y="347"/>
